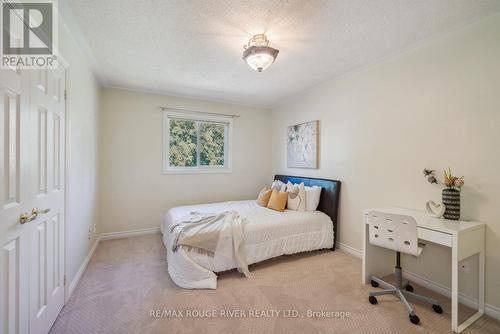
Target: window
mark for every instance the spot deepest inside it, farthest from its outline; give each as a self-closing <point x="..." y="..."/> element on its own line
<point x="196" y="143"/>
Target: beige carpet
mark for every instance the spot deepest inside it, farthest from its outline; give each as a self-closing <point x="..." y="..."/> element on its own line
<point x="127" y="278"/>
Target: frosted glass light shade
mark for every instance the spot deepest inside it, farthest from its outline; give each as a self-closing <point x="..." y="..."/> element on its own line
<point x="258" y="54"/>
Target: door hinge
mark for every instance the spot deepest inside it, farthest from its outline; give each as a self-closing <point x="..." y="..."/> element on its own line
<point x="65" y="94"/>
<point x="64" y="280"/>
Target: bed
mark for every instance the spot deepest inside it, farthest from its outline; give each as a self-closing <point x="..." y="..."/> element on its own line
<point x="267" y="234"/>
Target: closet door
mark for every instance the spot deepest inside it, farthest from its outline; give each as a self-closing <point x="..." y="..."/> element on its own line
<point x="16" y="197"/>
<point x="31" y="199"/>
<point x="47" y="161"/>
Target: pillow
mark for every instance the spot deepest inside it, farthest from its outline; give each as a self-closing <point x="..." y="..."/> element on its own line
<point x="264" y="196"/>
<point x="278" y="200"/>
<point x="278" y="185"/>
<point x="312" y="197"/>
<point x="296" y="197"/>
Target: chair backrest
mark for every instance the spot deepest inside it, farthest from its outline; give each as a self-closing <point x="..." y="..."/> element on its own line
<point x="395" y="232"/>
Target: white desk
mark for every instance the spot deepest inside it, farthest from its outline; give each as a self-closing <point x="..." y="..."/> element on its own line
<point x="464" y="238"/>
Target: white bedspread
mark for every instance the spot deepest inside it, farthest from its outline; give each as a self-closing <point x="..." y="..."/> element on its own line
<point x="267" y="234"/>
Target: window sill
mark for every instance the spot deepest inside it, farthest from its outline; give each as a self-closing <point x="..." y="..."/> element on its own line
<point x="198" y="171"/>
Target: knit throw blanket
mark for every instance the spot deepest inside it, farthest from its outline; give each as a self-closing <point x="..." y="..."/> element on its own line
<point x="214" y="234"/>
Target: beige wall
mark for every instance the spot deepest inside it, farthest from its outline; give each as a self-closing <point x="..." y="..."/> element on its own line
<point x="82" y="139"/>
<point x="134" y="192"/>
<point x="435" y="106"/>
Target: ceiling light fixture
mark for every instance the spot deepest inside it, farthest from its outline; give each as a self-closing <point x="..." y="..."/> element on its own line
<point x="258" y="54"/>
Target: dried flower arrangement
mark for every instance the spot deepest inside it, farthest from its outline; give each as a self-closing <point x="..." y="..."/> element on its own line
<point x="449" y="180"/>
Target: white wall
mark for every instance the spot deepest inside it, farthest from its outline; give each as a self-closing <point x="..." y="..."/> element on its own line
<point x="134" y="192"/>
<point x="435" y="106"/>
<point x="81" y="148"/>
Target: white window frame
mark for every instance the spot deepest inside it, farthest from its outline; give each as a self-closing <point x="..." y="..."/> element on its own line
<point x="169" y="114"/>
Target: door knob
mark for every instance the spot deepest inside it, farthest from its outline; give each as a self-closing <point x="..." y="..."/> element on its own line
<point x="24" y="218"/>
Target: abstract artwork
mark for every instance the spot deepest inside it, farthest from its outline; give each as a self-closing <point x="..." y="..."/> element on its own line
<point x="302" y="145"/>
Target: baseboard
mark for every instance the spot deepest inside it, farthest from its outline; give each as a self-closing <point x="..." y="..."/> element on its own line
<point x="490" y="310"/>
<point x="349" y="249"/>
<point x="130" y="233"/>
<point x="79" y="273"/>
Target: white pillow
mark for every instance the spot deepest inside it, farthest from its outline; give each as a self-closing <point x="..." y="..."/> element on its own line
<point x="312" y="197"/>
<point x="278" y="185"/>
<point x="296" y="197"/>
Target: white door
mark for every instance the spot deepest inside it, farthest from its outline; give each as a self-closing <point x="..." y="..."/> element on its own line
<point x="32" y="178"/>
<point x="47" y="231"/>
<point x="14" y="185"/>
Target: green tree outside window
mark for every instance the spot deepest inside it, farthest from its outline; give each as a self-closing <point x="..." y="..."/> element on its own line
<point x="184" y="146"/>
<point x="183" y="138"/>
<point x="211" y="144"/>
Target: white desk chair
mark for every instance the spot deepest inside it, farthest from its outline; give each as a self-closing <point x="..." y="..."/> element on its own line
<point x="398" y="233"/>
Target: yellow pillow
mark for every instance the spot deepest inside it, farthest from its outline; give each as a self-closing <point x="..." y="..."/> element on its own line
<point x="278" y="200"/>
<point x="264" y="196"/>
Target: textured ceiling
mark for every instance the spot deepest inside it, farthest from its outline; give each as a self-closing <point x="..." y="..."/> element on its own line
<point x="193" y="47"/>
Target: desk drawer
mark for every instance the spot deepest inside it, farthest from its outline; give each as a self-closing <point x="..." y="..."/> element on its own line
<point x="440" y="238"/>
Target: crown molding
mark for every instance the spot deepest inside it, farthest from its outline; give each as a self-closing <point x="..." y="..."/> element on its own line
<point x="68" y="20"/>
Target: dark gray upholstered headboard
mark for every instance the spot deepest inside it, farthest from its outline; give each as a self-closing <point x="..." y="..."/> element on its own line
<point x="329" y="200"/>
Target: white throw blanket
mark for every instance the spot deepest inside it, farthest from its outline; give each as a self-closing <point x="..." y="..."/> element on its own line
<point x="215" y="234"/>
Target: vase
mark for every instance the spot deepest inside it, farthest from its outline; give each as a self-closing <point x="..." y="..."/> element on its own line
<point x="451" y="201"/>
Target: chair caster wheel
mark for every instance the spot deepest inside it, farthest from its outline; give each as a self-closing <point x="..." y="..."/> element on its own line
<point x="374" y="284"/>
<point x="414" y="319"/>
<point x="409" y="288"/>
<point x="437" y="309"/>
<point x="372" y="300"/>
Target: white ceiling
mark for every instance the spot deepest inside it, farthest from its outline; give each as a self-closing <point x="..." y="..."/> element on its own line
<point x="193" y="47"/>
